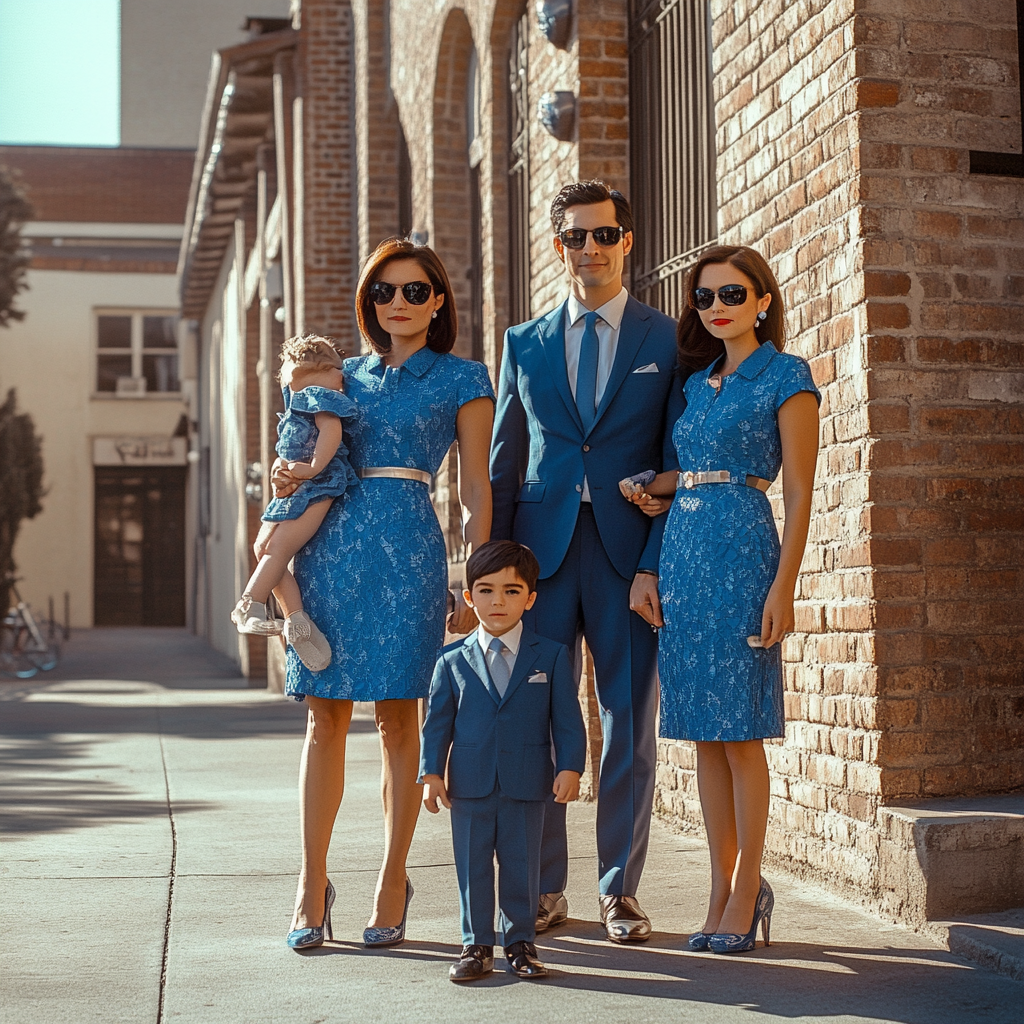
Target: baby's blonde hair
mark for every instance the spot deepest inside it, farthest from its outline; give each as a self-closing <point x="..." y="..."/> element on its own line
<point x="309" y="353"/>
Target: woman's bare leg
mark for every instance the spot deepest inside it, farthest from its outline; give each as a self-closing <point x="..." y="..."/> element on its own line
<point x="399" y="725"/>
<point x="715" y="784"/>
<point x="321" y="785"/>
<point x="288" y="538"/>
<point x="751" y="793"/>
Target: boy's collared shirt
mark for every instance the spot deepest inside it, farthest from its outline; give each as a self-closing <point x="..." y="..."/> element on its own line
<point x="511" y="640"/>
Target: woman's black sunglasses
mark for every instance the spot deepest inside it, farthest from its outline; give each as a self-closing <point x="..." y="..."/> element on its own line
<point x="576" y="238"/>
<point x="415" y="292"/>
<point x="730" y="294"/>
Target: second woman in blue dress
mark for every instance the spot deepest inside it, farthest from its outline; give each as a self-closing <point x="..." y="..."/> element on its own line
<point x="375" y="575"/>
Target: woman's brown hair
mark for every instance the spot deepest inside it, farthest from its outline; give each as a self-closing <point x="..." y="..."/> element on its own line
<point x="698" y="348"/>
<point x="442" y="331"/>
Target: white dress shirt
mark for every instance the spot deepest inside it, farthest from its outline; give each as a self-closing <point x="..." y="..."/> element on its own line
<point x="607" y="339"/>
<point x="511" y="641"/>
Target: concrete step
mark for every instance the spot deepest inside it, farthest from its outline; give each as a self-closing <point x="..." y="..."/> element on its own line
<point x="994" y="941"/>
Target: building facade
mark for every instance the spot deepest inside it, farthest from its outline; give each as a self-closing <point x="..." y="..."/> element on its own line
<point x="99" y="360"/>
<point x="872" y="152"/>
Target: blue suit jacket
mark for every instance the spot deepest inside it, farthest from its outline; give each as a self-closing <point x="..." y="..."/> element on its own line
<point x="503" y="739"/>
<point x="540" y="452"/>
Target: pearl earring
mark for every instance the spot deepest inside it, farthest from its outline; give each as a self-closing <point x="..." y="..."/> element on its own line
<point x="433" y="316"/>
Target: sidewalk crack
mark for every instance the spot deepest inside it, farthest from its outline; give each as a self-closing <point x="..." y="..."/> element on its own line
<point x="170" y="879"/>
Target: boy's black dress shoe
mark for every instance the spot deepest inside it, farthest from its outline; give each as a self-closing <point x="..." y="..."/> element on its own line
<point x="623" y="919"/>
<point x="553" y="909"/>
<point x="475" y="962"/>
<point x="522" y="958"/>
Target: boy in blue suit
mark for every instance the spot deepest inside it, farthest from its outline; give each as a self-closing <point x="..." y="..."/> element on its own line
<point x="499" y="701"/>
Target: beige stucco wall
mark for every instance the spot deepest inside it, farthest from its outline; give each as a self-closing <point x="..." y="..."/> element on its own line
<point x="49" y="357"/>
<point x="165" y="63"/>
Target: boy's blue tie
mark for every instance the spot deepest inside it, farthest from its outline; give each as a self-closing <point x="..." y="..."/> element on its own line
<point x="586" y="375"/>
<point x="497" y="665"/>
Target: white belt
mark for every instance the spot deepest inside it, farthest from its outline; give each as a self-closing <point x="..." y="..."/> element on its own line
<point x="394" y="473"/>
<point x="690" y="480"/>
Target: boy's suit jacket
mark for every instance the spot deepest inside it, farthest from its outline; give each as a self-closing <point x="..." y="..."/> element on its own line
<point x="505" y="740"/>
<point x="540" y="451"/>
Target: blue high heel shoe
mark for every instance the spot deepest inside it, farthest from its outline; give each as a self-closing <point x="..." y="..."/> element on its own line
<point x="390" y="936"/>
<point x="309" y="938"/>
<point x="698" y="942"/>
<point x="730" y="942"/>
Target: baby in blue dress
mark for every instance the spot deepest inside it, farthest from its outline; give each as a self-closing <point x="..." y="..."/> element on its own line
<point x="309" y="440"/>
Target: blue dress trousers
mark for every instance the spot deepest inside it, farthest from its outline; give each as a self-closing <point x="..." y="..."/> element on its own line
<point x="589" y="553"/>
<point x="374" y="578"/>
<point x="721" y="553"/>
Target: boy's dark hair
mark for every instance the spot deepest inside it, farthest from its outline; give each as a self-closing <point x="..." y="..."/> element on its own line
<point x="588" y="193"/>
<point x="496" y="555"/>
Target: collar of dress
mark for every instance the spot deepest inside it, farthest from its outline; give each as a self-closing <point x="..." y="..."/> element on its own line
<point x="417" y="364"/>
<point x="753" y="364"/>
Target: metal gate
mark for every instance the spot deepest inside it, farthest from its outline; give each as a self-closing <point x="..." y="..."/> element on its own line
<point x="672" y="145"/>
<point x="519" y="172"/>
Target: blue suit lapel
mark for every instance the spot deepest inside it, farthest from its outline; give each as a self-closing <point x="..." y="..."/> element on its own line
<point x="475" y="657"/>
<point x="525" y="661"/>
<point x="552" y="336"/>
<point x="632" y="331"/>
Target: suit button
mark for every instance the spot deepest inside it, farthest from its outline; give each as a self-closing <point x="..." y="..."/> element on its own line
<point x="586" y="447"/>
<point x="579" y="488"/>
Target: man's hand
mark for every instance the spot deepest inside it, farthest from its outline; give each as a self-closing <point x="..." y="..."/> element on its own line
<point x="566" y="787"/>
<point x="644" y="600"/>
<point x="433" y="790"/>
<point x="284" y="483"/>
<point x="462" y="619"/>
<point x="651" y="506"/>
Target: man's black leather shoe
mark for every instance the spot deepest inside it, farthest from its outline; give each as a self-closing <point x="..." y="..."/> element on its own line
<point x="623" y="919"/>
<point x="475" y="962"/>
<point x="552" y="910"/>
<point x="522" y="959"/>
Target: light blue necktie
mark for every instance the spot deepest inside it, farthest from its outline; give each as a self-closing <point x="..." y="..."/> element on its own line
<point x="586" y="375"/>
<point x="498" y="666"/>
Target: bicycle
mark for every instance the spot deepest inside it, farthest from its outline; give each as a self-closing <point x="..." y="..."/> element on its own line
<point x="24" y="649"/>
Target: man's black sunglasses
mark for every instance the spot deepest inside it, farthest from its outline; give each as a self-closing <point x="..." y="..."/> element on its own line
<point x="415" y="292"/>
<point x="576" y="238"/>
<point x="730" y="294"/>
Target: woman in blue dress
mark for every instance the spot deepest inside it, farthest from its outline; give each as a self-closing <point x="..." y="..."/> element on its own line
<point x="725" y="583"/>
<point x="375" y="576"/>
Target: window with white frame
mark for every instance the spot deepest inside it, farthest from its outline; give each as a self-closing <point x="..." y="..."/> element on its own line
<point x="136" y="352"/>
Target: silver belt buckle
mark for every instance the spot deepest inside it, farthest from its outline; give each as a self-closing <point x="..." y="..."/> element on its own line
<point x="688" y="479"/>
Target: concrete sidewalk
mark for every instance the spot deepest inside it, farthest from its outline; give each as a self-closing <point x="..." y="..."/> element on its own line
<point x="147" y="874"/>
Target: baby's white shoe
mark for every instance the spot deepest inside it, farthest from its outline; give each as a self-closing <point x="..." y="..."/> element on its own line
<point x="251" y="617"/>
<point x="310" y="644"/>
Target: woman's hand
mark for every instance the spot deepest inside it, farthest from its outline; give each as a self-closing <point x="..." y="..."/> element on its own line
<point x="462" y="618"/>
<point x="651" y="506"/>
<point x="778" y="618"/>
<point x="282" y="480"/>
<point x="301" y="470"/>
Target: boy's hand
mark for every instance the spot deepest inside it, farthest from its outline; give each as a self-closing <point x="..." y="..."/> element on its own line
<point x="566" y="787"/>
<point x="433" y="790"/>
<point x="301" y="470"/>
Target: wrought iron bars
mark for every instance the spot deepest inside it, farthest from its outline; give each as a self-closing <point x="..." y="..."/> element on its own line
<point x="519" y="173"/>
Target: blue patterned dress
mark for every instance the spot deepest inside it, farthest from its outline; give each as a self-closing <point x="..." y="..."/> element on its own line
<point x="296" y="441"/>
<point x="375" y="576"/>
<point x="720" y="555"/>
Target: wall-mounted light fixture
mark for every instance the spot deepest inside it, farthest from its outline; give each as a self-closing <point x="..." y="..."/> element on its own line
<point x="555" y="19"/>
<point x="557" y="112"/>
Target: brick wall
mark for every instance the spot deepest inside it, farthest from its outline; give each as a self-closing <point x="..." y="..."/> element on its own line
<point x="325" y="82"/>
<point x="943" y="255"/>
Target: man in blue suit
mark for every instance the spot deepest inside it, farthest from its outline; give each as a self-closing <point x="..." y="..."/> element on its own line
<point x="587" y="395"/>
<point x="499" y="701"/>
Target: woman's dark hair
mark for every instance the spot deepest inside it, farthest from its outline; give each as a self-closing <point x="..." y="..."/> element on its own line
<point x="496" y="555"/>
<point x="589" y="193"/>
<point x="442" y="331"/>
<point x="698" y="348"/>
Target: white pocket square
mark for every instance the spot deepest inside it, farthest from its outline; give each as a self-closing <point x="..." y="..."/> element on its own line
<point x="649" y="368"/>
<point x="538" y="677"/>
